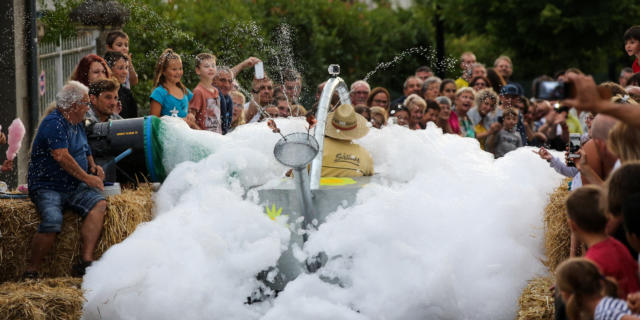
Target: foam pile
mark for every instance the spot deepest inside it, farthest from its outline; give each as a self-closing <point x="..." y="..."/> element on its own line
<point x="442" y="232"/>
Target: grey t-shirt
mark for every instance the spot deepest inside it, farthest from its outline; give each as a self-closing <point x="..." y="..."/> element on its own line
<point x="507" y="141"/>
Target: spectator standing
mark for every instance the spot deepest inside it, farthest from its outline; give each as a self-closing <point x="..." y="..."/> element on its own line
<point x="359" y="92"/>
<point x="416" y="106"/>
<point x="223" y="81"/>
<point x="170" y="96"/>
<point x="587" y="221"/>
<point x="118" y="41"/>
<point x="379" y="97"/>
<point x="423" y="73"/>
<point x="464" y="102"/>
<point x="118" y="62"/>
<point x="89" y="69"/>
<point x="206" y="103"/>
<point x="412" y="85"/>
<point x="625" y="74"/>
<point x="448" y="89"/>
<point x="467" y="60"/>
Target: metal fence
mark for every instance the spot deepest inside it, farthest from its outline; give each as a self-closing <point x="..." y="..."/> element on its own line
<point x="58" y="60"/>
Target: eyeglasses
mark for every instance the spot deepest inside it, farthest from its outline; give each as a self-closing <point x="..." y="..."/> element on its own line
<point x="84" y="103"/>
<point x="361" y="92"/>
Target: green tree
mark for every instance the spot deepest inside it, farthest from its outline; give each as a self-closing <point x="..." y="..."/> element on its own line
<point x="544" y="37"/>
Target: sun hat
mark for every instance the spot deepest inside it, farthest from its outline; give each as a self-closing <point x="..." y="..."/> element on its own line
<point x="345" y="124"/>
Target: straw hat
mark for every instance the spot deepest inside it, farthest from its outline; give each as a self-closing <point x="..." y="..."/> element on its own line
<point x="345" y="124"/>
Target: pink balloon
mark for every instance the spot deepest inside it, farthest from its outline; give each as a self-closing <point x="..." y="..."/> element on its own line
<point x="16" y="133"/>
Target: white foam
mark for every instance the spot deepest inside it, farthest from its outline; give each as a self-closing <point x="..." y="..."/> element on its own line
<point x="445" y="232"/>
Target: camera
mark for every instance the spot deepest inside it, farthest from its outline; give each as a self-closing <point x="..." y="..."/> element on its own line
<point x="574" y="147"/>
<point x="554" y="90"/>
<point x="334" y="69"/>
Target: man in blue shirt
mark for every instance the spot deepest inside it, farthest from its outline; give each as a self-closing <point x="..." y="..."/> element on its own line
<point x="62" y="174"/>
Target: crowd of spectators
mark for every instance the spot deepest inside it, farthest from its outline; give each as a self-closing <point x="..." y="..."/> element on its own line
<point x="597" y="126"/>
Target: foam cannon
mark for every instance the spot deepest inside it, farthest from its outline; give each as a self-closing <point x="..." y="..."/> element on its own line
<point x="141" y="136"/>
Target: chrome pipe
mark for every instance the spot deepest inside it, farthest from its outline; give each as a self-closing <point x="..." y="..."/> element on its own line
<point x="334" y="83"/>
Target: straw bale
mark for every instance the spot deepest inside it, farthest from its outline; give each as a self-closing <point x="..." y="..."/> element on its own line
<point x="536" y="301"/>
<point x="557" y="238"/>
<point x="19" y="222"/>
<point x="55" y="298"/>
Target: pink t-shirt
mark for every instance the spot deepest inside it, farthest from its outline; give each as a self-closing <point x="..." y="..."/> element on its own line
<point x="206" y="105"/>
<point x="614" y="260"/>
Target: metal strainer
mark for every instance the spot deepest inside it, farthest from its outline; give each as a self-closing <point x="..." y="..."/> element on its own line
<point x="296" y="150"/>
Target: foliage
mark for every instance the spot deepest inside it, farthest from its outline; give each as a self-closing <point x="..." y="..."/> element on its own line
<point x="308" y="35"/>
<point x="543" y="37"/>
<point x="56" y="19"/>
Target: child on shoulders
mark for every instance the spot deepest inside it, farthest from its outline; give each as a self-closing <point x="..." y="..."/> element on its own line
<point x="508" y="138"/>
<point x="632" y="46"/>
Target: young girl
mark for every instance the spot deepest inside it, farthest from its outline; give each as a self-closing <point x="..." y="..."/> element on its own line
<point x="587" y="294"/>
<point x="170" y="97"/>
<point x="119" y="41"/>
<point x="205" y="105"/>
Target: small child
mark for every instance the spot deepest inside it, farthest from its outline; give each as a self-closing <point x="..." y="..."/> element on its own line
<point x="119" y="41"/>
<point x="205" y="105"/>
<point x="507" y="139"/>
<point x="632" y="46"/>
<point x="118" y="63"/>
<point x="587" y="294"/>
<point x="170" y="96"/>
<point x="587" y="222"/>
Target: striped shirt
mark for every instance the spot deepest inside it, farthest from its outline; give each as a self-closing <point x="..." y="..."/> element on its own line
<point x="611" y="309"/>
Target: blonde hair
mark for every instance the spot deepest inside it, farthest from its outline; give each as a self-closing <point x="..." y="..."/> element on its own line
<point x="484" y="94"/>
<point x="163" y="61"/>
<point x="298" y="110"/>
<point x="240" y="118"/>
<point x="379" y="110"/>
<point x="466" y="89"/>
<point x="414" y="99"/>
<point x="624" y="141"/>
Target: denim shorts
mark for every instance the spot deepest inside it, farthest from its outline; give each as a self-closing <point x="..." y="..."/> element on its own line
<point x="51" y="203"/>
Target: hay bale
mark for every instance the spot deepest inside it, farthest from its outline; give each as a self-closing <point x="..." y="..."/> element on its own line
<point x="56" y="298"/>
<point x="557" y="238"/>
<point x="536" y="301"/>
<point x="19" y="222"/>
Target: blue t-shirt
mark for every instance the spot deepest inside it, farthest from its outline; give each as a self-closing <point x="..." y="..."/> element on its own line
<point x="170" y="103"/>
<point x="55" y="132"/>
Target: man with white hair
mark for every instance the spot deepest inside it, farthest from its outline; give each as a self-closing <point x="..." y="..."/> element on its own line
<point x="359" y="92"/>
<point x="62" y="175"/>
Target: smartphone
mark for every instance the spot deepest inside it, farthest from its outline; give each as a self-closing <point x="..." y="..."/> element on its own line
<point x="259" y="69"/>
<point x="574" y="147"/>
<point x="554" y="90"/>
